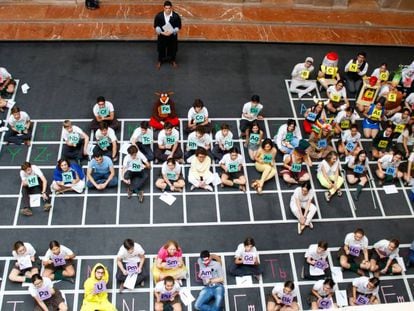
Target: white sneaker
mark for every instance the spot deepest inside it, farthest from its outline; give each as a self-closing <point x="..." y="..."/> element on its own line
<point x="192" y="187"/>
<point x="209" y="188"/>
<point x="4" y="129"/>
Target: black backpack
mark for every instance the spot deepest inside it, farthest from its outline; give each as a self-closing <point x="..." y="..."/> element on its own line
<point x="92" y="4"/>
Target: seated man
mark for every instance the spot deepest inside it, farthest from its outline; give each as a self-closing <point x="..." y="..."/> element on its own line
<point x="163" y="111"/>
<point x="167" y="294"/>
<point x="20" y="128"/>
<point x="300" y="76"/>
<point x="142" y="137"/>
<point x="106" y="141"/>
<point x="101" y="172"/>
<point x="211" y="273"/>
<point x="355" y="69"/>
<point x="7" y="84"/>
<point x="196" y="139"/>
<point x="33" y="181"/>
<point x="103" y="111"/>
<point x="168" y="145"/>
<point x="382" y="142"/>
<point x="383" y="257"/>
<point x="76" y="142"/>
<point x="287" y="137"/>
<point x="364" y="291"/>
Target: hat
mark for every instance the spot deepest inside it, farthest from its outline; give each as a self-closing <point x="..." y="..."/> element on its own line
<point x="332" y="56"/>
<point x="302" y="146"/>
<point x="309" y="59"/>
<point x="373" y="80"/>
<point x="327" y="127"/>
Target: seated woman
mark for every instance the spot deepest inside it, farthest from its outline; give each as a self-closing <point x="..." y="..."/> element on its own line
<point x="383" y="257"/>
<point x="246" y="260"/>
<point x="373" y="118"/>
<point x="26" y="265"/>
<point x="45" y="296"/>
<point x="314" y="117"/>
<point x="294" y="172"/>
<point x="405" y="142"/>
<point x="387" y="167"/>
<point x="383" y="142"/>
<point x="337" y="99"/>
<point x="283" y="297"/>
<point x="356" y="172"/>
<point x="322" y="294"/>
<point x="76" y="142"/>
<point x="254" y="137"/>
<point x="232" y="166"/>
<point x="265" y="164"/>
<point x="287" y="137"/>
<point x="198" y="115"/>
<point x="169" y="262"/>
<point x="171" y="178"/>
<point x="133" y="172"/>
<point x="68" y="177"/>
<point x="364" y="291"/>
<point x="400" y="121"/>
<point x="316" y="265"/>
<point x="354" y="254"/>
<point x="302" y="207"/>
<point x="344" y="119"/>
<point x="329" y="175"/>
<point x="58" y="263"/>
<point x="321" y="142"/>
<point x="200" y="175"/>
<point x="349" y="143"/>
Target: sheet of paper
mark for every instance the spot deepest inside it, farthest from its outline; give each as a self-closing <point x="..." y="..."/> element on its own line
<point x="124" y="147"/>
<point x="186" y="297"/>
<point x="130" y="281"/>
<point x="34" y="200"/>
<point x="168" y="198"/>
<point x="244" y="280"/>
<point x="401" y="263"/>
<point x="168" y="27"/>
<point x="315" y="271"/>
<point x="25" y="88"/>
<point x="341" y="298"/>
<point x="10" y="103"/>
<point x="390" y="189"/>
<point x="337" y="275"/>
<point x="216" y="180"/>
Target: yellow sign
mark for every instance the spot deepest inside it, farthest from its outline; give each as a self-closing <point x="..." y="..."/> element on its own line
<point x="353" y="67"/>
<point x="383" y="144"/>
<point x="331" y="71"/>
<point x="345" y="124"/>
<point x="376" y="114"/>
<point x="399" y="128"/>
<point x="304" y="74"/>
<point x="369" y="94"/>
<point x="392" y="97"/>
<point x="383" y="76"/>
<point x="335" y="97"/>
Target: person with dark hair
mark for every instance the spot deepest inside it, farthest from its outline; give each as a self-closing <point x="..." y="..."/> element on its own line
<point x="103" y="111"/>
<point x="254" y="138"/>
<point x="142" y="137"/>
<point x="58" y="262"/>
<point x="251" y="111"/>
<point x="171" y="178"/>
<point x="314" y="117"/>
<point x="381" y="73"/>
<point x="322" y="294"/>
<point x="198" y="115"/>
<point x="373" y="117"/>
<point x="200" y="175"/>
<point x="45" y="296"/>
<point x="68" y="177"/>
<point x="198" y="139"/>
<point x="106" y="141"/>
<point x="133" y="172"/>
<point x="232" y="165"/>
<point x="96" y="291"/>
<point x="321" y="142"/>
<point x="167" y="294"/>
<point x="7" y="86"/>
<point x="400" y="121"/>
<point x="287" y="137"/>
<point x="344" y="120"/>
<point x="302" y="207"/>
<point x="356" y="172"/>
<point x="355" y="70"/>
<point x="246" y="260"/>
<point x="388" y="167"/>
<point x="168" y="145"/>
<point x="33" y="181"/>
<point x="329" y="175"/>
<point x="211" y="273"/>
<point x="265" y="164"/>
<point x="224" y="142"/>
<point x="76" y="142"/>
<point x="337" y="99"/>
<point x="350" y="141"/>
<point x="383" y="257"/>
<point x="364" y="291"/>
<point x="163" y="112"/>
<point x="167" y="24"/>
<point x="130" y="260"/>
<point x="316" y="265"/>
<point x="383" y="142"/>
<point x="27" y="264"/>
<point x="101" y="172"/>
<point x="294" y="172"/>
<point x="169" y="262"/>
<point x="283" y="297"/>
<point x="405" y="141"/>
<point x="354" y="254"/>
<point x="20" y="128"/>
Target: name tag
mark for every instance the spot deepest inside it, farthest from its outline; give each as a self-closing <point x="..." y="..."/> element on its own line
<point x="350" y="146"/>
<point x="345" y="124"/>
<point x="331" y="71"/>
<point x="171" y="175"/>
<point x="44" y="293"/>
<point x="206" y="274"/>
<point x="390" y="170"/>
<point x="24" y="262"/>
<point x="392" y="97"/>
<point x="354" y="250"/>
<point x="353" y="67"/>
<point x="131" y="267"/>
<point x="228" y="144"/>
<point x="103" y="112"/>
<point x="383" y="144"/>
<point x="233" y="167"/>
<point x="254" y="110"/>
<point x="99" y="287"/>
<point x="399" y="128"/>
<point x="20" y="126"/>
<point x="169" y="140"/>
<point x="166" y="296"/>
<point x="362" y="300"/>
<point x="58" y="260"/>
<point x="287" y="299"/>
<point x="248" y="258"/>
<point x="165" y="109"/>
<point x="335" y="97"/>
<point x="32" y="181"/>
<point x="325" y="303"/>
<point x="311" y="116"/>
<point x="192" y="145"/>
<point x="358" y="169"/>
<point x="383" y="76"/>
<point x="322" y="143"/>
<point x="103" y="143"/>
<point x="376" y="114"/>
<point x="136" y="166"/>
<point x="321" y="264"/>
<point x="199" y="118"/>
<point x="146" y="139"/>
<point x="267" y="158"/>
<point x="296" y="167"/>
<point x="74" y="138"/>
<point x="254" y="139"/>
<point x="172" y="262"/>
<point x="67" y="177"/>
<point x="305" y="74"/>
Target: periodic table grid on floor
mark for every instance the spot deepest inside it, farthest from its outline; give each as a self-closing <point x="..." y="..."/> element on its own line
<point x="186" y="211"/>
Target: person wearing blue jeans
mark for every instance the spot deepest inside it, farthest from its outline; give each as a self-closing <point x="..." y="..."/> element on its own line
<point x="101" y="172"/>
<point x="211" y="296"/>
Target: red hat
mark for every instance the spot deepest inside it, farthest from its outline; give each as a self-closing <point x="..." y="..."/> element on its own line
<point x="373" y="80"/>
<point x="332" y="56"/>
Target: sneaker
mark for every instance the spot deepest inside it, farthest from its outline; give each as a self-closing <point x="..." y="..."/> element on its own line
<point x="192" y="187"/>
<point x="47" y="207"/>
<point x="311" y="225"/>
<point x="209" y="188"/>
<point x="141" y="196"/>
<point x="299" y="229"/>
<point x="327" y="196"/>
<point x="179" y="281"/>
<point x="339" y="193"/>
<point x="4" y="129"/>
<point x="26" y="211"/>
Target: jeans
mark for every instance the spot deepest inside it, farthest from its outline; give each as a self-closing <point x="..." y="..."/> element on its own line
<point x="102" y="178"/>
<point x="208" y="293"/>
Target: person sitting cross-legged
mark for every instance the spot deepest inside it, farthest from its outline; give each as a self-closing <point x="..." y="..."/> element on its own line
<point x="101" y="172"/>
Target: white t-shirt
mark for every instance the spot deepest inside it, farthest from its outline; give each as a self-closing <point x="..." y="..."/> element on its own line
<point x="297" y="194"/>
<point x="4" y="74"/>
<point x="64" y="251"/>
<point x="330" y="170"/>
<point x="377" y="73"/>
<point x="203" y="141"/>
<point x="226" y="160"/>
<point x="350" y="241"/>
<point x="282" y="132"/>
<point x="47" y="283"/>
<point x="129" y="162"/>
<point x="298" y="69"/>
<point x="278" y="290"/>
<point x="162" y="138"/>
<point x="199" y="117"/>
<point x="397" y="119"/>
<point x="165" y="294"/>
<point x="30" y="251"/>
<point x="346" y="137"/>
<point x="76" y="130"/>
<point x="382" y="247"/>
<point x="410" y="99"/>
<point x="107" y="109"/>
<point x="342" y="116"/>
<point x="361" y="284"/>
<point x="35" y="172"/>
<point x="240" y="251"/>
<point x="171" y="174"/>
<point x="312" y="253"/>
<point x="137" y="136"/>
<point x="386" y="161"/>
<point x="131" y="257"/>
<point x="24" y="118"/>
<point x="405" y="133"/>
<point x="362" y="71"/>
<point x="318" y="287"/>
<point x="111" y="135"/>
<point x="247" y="108"/>
<point x="332" y="91"/>
<point x="224" y="140"/>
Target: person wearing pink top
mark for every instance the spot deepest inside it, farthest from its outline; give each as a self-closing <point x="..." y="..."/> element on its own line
<point x="169" y="262"/>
